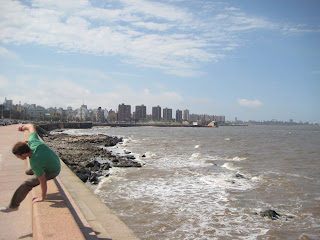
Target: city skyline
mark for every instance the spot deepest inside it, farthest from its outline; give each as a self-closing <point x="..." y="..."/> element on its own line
<point x="152" y="113"/>
<point x="254" y="60"/>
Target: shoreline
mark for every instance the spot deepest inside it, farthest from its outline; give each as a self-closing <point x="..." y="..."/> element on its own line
<point x="86" y="155"/>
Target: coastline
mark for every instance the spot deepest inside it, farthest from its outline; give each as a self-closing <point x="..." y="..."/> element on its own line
<point x="86" y="155"/>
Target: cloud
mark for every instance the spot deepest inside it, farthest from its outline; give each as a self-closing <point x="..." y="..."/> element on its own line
<point x="4" y="52"/>
<point x="152" y="26"/>
<point x="54" y="91"/>
<point x="249" y="103"/>
<point x="165" y="36"/>
<point x="298" y="29"/>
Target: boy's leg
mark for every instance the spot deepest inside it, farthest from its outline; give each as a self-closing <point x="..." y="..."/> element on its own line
<point x="22" y="191"/>
<point x="29" y="171"/>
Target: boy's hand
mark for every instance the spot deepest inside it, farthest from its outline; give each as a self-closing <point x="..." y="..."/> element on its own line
<point x="37" y="200"/>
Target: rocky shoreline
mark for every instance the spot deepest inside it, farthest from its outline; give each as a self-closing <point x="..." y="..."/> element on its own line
<point x="86" y="157"/>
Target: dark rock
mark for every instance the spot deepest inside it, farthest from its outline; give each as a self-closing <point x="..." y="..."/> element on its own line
<point x="83" y="177"/>
<point x="106" y="166"/>
<point x="231" y="181"/>
<point x="88" y="164"/>
<point x="238" y="175"/>
<point x="94" y="178"/>
<point x="270" y="214"/>
<point x="79" y="153"/>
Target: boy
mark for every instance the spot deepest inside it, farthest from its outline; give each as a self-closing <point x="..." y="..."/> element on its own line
<point x="44" y="163"/>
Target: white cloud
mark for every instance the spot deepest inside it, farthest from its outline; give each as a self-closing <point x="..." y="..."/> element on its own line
<point x="4" y="52"/>
<point x="249" y="103"/>
<point x="152" y="26"/>
<point x="299" y="29"/>
<point x="144" y="33"/>
<point x="52" y="91"/>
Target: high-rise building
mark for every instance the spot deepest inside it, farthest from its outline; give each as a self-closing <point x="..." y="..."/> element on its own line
<point x="141" y="113"/>
<point x="186" y="115"/>
<point x="112" y="116"/>
<point x="100" y="115"/>
<point x="124" y="113"/>
<point x="167" y="114"/>
<point x="220" y="119"/>
<point x="82" y="114"/>
<point x="156" y="113"/>
<point x="178" y="116"/>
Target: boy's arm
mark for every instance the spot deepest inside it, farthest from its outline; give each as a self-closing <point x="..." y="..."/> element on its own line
<point x="43" y="184"/>
<point x="29" y="127"/>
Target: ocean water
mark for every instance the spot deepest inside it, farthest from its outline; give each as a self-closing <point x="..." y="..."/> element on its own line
<point x="188" y="188"/>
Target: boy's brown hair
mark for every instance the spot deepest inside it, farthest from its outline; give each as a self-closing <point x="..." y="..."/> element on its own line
<point x="20" y="148"/>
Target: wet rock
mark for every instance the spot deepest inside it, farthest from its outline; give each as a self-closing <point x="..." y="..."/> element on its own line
<point x="238" y="175"/>
<point x="231" y="181"/>
<point x="94" y="178"/>
<point x="83" y="177"/>
<point x="270" y="214"/>
<point x="80" y="154"/>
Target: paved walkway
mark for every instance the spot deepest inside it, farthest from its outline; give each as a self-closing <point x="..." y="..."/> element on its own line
<point x="70" y="211"/>
<point x="18" y="224"/>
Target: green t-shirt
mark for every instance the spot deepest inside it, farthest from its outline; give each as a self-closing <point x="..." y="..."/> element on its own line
<point x="43" y="158"/>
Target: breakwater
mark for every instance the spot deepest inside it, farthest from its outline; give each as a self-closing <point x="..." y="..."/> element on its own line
<point x="143" y="125"/>
<point x="45" y="128"/>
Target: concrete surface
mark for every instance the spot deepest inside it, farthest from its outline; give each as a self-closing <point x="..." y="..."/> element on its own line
<point x="70" y="211"/>
<point x="18" y="224"/>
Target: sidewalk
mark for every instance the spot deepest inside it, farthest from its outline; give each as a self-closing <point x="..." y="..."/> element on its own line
<point x="47" y="220"/>
<point x="71" y="210"/>
<point x="18" y="224"/>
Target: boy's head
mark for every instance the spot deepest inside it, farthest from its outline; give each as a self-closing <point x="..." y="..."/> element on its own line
<point x="21" y="150"/>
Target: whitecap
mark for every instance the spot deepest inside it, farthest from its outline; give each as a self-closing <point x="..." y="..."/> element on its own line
<point x="196" y="146"/>
<point x="227" y="139"/>
<point x="257" y="179"/>
<point x="229" y="166"/>
<point x="103" y="181"/>
<point x="150" y="154"/>
<point x="195" y="155"/>
<point x="238" y="158"/>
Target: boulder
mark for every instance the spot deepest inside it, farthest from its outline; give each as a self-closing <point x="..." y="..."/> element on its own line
<point x="270" y="214"/>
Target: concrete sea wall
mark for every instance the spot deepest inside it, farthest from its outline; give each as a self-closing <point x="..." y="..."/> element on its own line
<point x="53" y="126"/>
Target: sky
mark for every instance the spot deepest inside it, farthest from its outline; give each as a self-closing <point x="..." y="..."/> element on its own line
<point x="244" y="59"/>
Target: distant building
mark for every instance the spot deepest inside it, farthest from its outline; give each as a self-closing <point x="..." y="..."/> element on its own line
<point x="7" y="104"/>
<point x="178" y="115"/>
<point x="156" y="113"/>
<point x="36" y="112"/>
<point x="220" y="119"/>
<point x="112" y="116"/>
<point x="99" y="114"/>
<point x="167" y="114"/>
<point x="194" y="117"/>
<point x="70" y="114"/>
<point x="124" y="113"/>
<point x="186" y="115"/>
<point x="140" y="113"/>
<point x="83" y="112"/>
